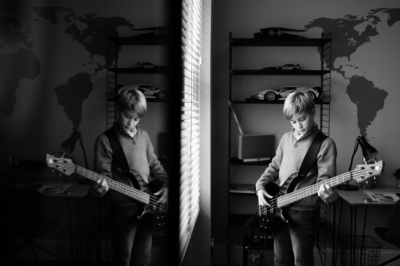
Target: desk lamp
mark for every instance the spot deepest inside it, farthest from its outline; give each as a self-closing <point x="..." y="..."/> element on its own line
<point x="69" y="145"/>
<point x="368" y="152"/>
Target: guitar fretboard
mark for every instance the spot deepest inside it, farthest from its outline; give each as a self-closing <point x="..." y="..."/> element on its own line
<point x="134" y="193"/>
<point x="297" y="195"/>
<point x="152" y="202"/>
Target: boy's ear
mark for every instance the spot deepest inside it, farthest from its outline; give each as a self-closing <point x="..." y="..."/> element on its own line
<point x="313" y="111"/>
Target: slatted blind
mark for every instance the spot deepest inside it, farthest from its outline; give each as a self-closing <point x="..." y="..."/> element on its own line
<point x="190" y="139"/>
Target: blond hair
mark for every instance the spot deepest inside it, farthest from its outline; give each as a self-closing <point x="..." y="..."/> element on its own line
<point x="132" y="99"/>
<point x="298" y="102"/>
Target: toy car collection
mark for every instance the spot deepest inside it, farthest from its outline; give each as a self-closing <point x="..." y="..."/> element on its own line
<point x="277" y="32"/>
<point x="147" y="65"/>
<point x="152" y="32"/>
<point x="151" y="91"/>
<point x="282" y="92"/>
<point x="284" y="67"/>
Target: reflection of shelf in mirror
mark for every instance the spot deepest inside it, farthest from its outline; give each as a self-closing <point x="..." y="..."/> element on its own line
<point x="237" y="188"/>
<point x="133" y="70"/>
<point x="139" y="41"/>
<point x="236" y="161"/>
<point x="238" y="192"/>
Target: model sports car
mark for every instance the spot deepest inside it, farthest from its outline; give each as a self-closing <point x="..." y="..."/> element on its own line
<point x="151" y="91"/>
<point x="152" y="32"/>
<point x="284" y="67"/>
<point x="147" y="65"/>
<point x="282" y="92"/>
<point x="278" y="32"/>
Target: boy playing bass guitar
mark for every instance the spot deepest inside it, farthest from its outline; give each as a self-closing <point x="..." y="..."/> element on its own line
<point x="132" y="237"/>
<point x="294" y="241"/>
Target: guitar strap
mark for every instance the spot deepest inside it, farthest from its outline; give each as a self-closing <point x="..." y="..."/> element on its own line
<point x="119" y="160"/>
<point x="310" y="157"/>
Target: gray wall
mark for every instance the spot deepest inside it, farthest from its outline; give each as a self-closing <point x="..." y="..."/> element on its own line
<point x="38" y="122"/>
<point x="374" y="60"/>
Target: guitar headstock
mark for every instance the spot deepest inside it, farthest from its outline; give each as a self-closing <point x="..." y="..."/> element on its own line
<point x="364" y="171"/>
<point x="64" y="165"/>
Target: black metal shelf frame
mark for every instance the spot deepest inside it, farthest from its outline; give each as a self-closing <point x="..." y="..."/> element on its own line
<point x="279" y="72"/>
<point x="114" y="46"/>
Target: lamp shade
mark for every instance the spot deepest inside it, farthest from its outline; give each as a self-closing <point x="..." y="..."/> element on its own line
<point x="368" y="151"/>
<point x="69" y="144"/>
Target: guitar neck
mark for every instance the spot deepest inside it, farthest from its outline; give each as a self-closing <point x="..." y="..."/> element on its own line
<point x="134" y="193"/>
<point x="297" y="195"/>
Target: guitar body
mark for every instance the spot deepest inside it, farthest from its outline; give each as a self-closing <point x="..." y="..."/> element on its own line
<point x="156" y="212"/>
<point x="270" y="218"/>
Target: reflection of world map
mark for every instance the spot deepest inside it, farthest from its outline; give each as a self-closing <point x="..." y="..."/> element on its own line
<point x="17" y="60"/>
<point x="350" y="34"/>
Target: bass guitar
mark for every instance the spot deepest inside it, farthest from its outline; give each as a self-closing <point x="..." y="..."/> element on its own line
<point x="273" y="216"/>
<point x="148" y="201"/>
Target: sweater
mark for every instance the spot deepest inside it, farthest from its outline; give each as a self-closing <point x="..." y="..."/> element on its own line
<point x="141" y="159"/>
<point x="286" y="164"/>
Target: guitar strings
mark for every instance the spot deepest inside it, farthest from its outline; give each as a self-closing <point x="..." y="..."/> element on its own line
<point x="95" y="176"/>
<point x="163" y="206"/>
<point x="152" y="198"/>
<point x="332" y="181"/>
<point x="343" y="177"/>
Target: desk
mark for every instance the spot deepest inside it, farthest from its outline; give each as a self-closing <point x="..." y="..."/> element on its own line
<point x="62" y="189"/>
<point x="356" y="199"/>
<point x="68" y="192"/>
<point x="52" y="188"/>
<point x="91" y="225"/>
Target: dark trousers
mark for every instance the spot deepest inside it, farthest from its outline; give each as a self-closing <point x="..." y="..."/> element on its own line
<point x="132" y="237"/>
<point x="294" y="242"/>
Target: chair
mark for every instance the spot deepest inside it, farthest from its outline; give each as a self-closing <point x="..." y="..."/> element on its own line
<point x="391" y="233"/>
<point x="24" y="217"/>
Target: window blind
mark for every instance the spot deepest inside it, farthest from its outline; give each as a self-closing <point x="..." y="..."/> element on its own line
<point x="189" y="205"/>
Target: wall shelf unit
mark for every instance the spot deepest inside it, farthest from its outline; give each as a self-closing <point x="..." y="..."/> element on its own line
<point x="115" y="69"/>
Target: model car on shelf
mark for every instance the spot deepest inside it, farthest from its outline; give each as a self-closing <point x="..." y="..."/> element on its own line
<point x="151" y="91"/>
<point x="147" y="65"/>
<point x="278" y="32"/>
<point x="152" y="32"/>
<point x="284" y="67"/>
<point x="280" y="93"/>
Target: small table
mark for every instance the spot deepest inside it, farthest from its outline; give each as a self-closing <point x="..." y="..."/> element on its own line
<point x="364" y="198"/>
<point x="70" y="191"/>
<point x="63" y="190"/>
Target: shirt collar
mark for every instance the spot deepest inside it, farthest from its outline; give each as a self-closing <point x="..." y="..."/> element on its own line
<point x="129" y="134"/>
<point x="312" y="130"/>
